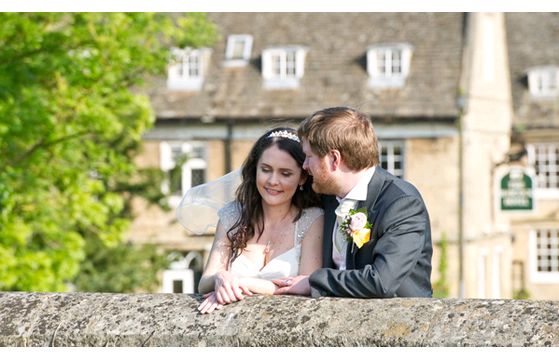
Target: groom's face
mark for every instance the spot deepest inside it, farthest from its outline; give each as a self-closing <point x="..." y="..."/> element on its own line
<point x="322" y="179"/>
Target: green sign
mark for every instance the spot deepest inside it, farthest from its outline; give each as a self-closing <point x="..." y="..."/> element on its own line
<point x="517" y="191"/>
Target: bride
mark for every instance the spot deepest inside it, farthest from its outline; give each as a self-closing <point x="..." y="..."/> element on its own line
<point x="272" y="230"/>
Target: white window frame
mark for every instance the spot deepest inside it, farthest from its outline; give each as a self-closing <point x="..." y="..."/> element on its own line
<point x="182" y="74"/>
<point x="391" y="159"/>
<point x="542" y="277"/>
<point x="184" y="275"/>
<point x="181" y="270"/>
<point x="548" y="152"/>
<point x="232" y="41"/>
<point x="167" y="163"/>
<point x="283" y="78"/>
<point x="388" y="79"/>
<point x="543" y="81"/>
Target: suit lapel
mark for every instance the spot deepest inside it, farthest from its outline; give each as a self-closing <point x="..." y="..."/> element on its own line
<point x="373" y="191"/>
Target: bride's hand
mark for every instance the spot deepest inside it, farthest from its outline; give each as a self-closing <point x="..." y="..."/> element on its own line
<point x="229" y="288"/>
<point x="209" y="304"/>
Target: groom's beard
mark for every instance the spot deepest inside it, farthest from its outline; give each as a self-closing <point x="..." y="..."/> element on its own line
<point x="324" y="183"/>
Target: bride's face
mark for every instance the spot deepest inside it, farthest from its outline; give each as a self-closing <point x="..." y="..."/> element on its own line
<point x="277" y="176"/>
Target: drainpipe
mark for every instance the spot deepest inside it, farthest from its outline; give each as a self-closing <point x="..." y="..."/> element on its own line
<point x="228" y="142"/>
<point x="461" y="105"/>
<point x="459" y="124"/>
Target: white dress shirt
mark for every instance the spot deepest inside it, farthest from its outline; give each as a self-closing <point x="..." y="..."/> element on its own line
<point x="358" y="193"/>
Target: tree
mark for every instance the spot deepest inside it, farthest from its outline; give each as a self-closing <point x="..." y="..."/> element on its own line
<point x="72" y="114"/>
<point x="125" y="268"/>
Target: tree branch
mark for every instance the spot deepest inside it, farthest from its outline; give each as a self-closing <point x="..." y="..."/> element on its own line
<point x="46" y="145"/>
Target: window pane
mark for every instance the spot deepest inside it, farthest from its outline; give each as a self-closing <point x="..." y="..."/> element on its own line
<point x="177" y="287"/>
<point x="290" y="63"/>
<point x="198" y="177"/>
<point x="545" y="82"/>
<point x="396" y="62"/>
<point x="197" y="152"/>
<point x="176" y="153"/>
<point x="544" y="158"/>
<point x="276" y="65"/>
<point x="552" y="81"/>
<point x="392" y="158"/>
<point x="547" y="250"/>
<point x="175" y="181"/>
<point x="238" y="49"/>
<point x="381" y="62"/>
<point x="194" y="66"/>
<point x="188" y="65"/>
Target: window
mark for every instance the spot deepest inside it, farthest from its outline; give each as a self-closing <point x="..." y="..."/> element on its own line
<point x="183" y="274"/>
<point x="283" y="67"/>
<point x="544" y="249"/>
<point x="238" y="50"/>
<point x="178" y="286"/>
<point x="543" y="81"/>
<point x="544" y="159"/>
<point x="392" y="157"/>
<point x="187" y="68"/>
<point x="388" y="65"/>
<point x="185" y="164"/>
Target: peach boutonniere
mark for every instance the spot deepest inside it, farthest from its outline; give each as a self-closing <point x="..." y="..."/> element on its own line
<point x="356" y="227"/>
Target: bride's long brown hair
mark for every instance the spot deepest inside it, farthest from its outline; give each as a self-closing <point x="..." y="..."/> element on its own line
<point x="250" y="200"/>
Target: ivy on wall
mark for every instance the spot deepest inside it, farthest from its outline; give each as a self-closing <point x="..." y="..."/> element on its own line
<point x="440" y="287"/>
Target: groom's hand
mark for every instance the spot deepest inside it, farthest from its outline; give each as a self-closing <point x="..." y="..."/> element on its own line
<point x="298" y="285"/>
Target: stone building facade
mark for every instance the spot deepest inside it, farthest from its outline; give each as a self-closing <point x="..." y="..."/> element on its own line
<point x="447" y="94"/>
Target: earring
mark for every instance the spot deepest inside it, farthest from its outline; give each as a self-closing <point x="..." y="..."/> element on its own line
<point x="301" y="187"/>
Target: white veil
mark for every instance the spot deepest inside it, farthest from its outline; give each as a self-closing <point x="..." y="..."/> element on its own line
<point x="197" y="211"/>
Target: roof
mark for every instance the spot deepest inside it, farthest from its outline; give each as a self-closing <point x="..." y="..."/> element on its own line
<point x="532" y="41"/>
<point x="335" y="67"/>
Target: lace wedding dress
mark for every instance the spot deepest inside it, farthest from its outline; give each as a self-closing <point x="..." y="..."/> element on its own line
<point x="287" y="263"/>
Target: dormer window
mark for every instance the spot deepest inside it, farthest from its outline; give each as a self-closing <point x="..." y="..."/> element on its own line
<point x="187" y="68"/>
<point x="283" y="67"/>
<point x="543" y="81"/>
<point x="388" y="65"/>
<point x="238" y="50"/>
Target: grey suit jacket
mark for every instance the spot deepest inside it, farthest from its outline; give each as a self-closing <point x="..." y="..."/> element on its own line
<point x="396" y="262"/>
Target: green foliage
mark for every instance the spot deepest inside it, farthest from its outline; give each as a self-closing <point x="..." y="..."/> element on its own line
<point x="440" y="287"/>
<point x="521" y="294"/>
<point x="125" y="268"/>
<point x="72" y="115"/>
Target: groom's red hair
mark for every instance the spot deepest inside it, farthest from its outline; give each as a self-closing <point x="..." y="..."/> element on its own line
<point x="344" y="129"/>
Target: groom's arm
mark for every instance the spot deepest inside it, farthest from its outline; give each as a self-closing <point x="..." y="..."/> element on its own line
<point x="403" y="227"/>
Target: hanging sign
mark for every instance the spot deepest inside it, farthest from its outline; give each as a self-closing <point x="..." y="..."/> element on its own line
<point x="517" y="190"/>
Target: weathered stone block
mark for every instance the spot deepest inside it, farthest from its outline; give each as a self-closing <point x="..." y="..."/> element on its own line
<point x="91" y="319"/>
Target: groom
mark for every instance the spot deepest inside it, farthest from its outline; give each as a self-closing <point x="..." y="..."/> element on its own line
<point x="390" y="255"/>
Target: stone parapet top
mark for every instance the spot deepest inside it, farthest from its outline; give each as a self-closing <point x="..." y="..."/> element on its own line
<point x="95" y="319"/>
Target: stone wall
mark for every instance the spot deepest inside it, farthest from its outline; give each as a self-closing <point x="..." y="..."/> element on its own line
<point x="91" y="319"/>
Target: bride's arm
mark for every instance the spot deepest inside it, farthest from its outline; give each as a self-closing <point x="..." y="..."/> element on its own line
<point x="217" y="261"/>
<point x="311" y="248"/>
<point x="259" y="286"/>
<point x="217" y="269"/>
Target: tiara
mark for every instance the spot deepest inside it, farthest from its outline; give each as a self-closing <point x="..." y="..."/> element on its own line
<point x="285" y="134"/>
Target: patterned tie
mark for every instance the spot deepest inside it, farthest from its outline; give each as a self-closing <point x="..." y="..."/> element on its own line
<point x="342" y="211"/>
